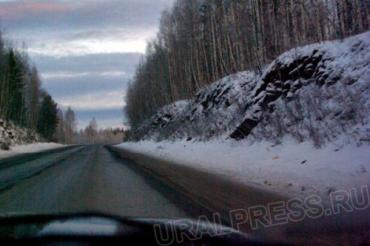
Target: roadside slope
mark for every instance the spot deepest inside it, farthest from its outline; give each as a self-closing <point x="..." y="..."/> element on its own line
<point x="316" y="92"/>
<point x="29" y="148"/>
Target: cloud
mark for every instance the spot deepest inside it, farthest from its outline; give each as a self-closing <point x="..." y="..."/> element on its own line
<point x="74" y="78"/>
<point x="78" y="87"/>
<point x="125" y="62"/>
<point x="94" y="101"/>
<point x="20" y="9"/>
<point x="85" y="13"/>
<point x="72" y="43"/>
<point x="88" y="46"/>
<point x="78" y="75"/>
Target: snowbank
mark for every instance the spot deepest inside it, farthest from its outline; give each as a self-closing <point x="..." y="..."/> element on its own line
<point x="29" y="148"/>
<point x="291" y="169"/>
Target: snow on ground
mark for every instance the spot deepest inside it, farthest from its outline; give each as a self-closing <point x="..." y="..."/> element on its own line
<point x="293" y="169"/>
<point x="29" y="148"/>
<point x="20" y="140"/>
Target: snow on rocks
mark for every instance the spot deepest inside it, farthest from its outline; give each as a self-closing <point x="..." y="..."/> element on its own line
<point x="11" y="134"/>
<point x="214" y="110"/>
<point x="316" y="92"/>
<point x="15" y="140"/>
<point x="329" y="68"/>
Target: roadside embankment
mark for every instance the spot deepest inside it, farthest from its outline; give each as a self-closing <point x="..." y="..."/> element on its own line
<point x="28" y="149"/>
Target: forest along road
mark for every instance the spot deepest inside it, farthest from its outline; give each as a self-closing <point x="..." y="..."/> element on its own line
<point x="92" y="179"/>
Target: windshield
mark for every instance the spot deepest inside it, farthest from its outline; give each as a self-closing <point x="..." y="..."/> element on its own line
<point x="248" y="115"/>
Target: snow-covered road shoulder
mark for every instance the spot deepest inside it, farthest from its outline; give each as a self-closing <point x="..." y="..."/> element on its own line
<point x="291" y="169"/>
<point x="28" y="148"/>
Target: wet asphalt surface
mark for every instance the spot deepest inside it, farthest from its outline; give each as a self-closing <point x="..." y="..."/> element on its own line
<point x="87" y="179"/>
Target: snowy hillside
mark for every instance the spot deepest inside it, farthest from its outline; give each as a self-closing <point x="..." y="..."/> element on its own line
<point x="317" y="92"/>
<point x="215" y="110"/>
<point x="11" y="134"/>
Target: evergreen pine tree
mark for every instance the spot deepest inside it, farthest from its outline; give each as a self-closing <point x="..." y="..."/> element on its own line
<point x="48" y="118"/>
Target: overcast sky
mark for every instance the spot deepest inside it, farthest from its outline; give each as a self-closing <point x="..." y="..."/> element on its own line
<point x="87" y="50"/>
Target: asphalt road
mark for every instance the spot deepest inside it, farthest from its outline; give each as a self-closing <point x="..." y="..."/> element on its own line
<point x="88" y="179"/>
<point x="92" y="179"/>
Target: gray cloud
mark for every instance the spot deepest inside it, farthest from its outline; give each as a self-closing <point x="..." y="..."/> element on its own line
<point x="82" y="14"/>
<point x="88" y="63"/>
<point x="71" y="26"/>
<point x="61" y="88"/>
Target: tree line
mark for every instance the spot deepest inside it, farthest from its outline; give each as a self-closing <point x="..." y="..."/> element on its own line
<point x="201" y="41"/>
<point x="68" y="133"/>
<point x="66" y="127"/>
<point x="91" y="134"/>
<point x="24" y="102"/>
